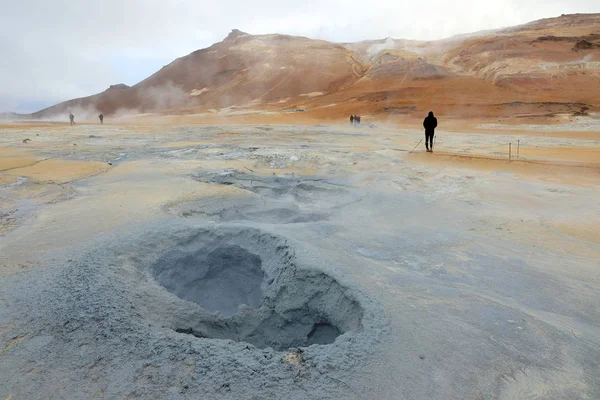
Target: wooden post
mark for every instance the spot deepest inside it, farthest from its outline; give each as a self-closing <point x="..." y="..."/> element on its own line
<point x="509" y="150"/>
<point x="518" y="146"/>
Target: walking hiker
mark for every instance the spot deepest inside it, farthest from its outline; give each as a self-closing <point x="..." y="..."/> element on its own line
<point x="101" y="119"/>
<point x="357" y="119"/>
<point x="430" y="123"/>
<point x="71" y="119"/>
<point x="351" y="119"/>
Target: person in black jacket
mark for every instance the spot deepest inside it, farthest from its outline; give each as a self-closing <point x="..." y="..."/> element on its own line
<point x="430" y="123"/>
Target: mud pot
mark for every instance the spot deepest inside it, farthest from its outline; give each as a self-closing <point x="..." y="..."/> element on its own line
<point x="255" y="291"/>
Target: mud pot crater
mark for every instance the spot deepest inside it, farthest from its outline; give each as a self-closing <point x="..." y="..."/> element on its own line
<point x="255" y="209"/>
<point x="245" y="285"/>
<point x="274" y="199"/>
<point x="298" y="189"/>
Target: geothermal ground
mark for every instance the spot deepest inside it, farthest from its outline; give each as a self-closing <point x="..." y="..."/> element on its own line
<point x="300" y="262"/>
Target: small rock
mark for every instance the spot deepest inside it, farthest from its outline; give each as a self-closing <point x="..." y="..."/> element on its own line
<point x="294" y="357"/>
<point x="226" y="387"/>
<point x="26" y="140"/>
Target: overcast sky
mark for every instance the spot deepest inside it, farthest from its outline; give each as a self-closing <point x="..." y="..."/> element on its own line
<point x="55" y="50"/>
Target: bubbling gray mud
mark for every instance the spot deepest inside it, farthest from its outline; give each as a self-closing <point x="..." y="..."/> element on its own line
<point x="249" y="288"/>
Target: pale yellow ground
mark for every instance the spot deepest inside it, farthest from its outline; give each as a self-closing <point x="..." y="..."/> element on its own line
<point x="7" y="179"/>
<point x="135" y="189"/>
<point x="11" y="157"/>
<point x="590" y="231"/>
<point x="58" y="171"/>
<point x="581" y="174"/>
<point x="182" y="144"/>
<point x="575" y="154"/>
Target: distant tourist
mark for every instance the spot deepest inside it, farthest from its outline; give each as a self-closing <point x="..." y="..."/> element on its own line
<point x="351" y="119"/>
<point x="101" y="119"/>
<point x="430" y="123"/>
<point x="71" y="119"/>
<point x="357" y="119"/>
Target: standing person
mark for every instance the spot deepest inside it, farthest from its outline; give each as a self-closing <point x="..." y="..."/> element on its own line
<point x="430" y="123"/>
<point x="101" y="116"/>
<point x="71" y="119"/>
<point x="351" y="119"/>
<point x="357" y="119"/>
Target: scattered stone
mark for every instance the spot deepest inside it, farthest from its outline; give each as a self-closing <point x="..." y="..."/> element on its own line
<point x="583" y="45"/>
<point x="225" y="387"/>
<point x="582" y="112"/>
<point x="26" y="140"/>
<point x="190" y="331"/>
<point x="119" y="86"/>
<point x="294" y="357"/>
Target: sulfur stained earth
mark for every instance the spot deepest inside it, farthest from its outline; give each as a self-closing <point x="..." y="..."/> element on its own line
<point x="330" y="261"/>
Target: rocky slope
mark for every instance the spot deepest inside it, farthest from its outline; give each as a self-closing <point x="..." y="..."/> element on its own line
<point x="543" y="68"/>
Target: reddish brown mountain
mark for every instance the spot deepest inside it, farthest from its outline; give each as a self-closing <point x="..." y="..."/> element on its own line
<point x="239" y="70"/>
<point x="541" y="68"/>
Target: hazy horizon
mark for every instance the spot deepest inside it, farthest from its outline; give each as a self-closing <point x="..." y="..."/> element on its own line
<point x="68" y="50"/>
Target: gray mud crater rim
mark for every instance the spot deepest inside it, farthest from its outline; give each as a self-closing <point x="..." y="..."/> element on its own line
<point x="247" y="287"/>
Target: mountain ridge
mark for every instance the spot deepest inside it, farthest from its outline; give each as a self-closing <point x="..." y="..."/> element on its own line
<point x="538" y="62"/>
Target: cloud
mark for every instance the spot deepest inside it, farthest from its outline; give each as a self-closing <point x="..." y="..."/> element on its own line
<point x="56" y="50"/>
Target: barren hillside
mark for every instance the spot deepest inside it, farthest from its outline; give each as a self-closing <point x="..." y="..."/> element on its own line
<point x="541" y="69"/>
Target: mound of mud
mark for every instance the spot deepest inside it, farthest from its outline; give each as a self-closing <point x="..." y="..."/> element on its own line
<point x="244" y="285"/>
